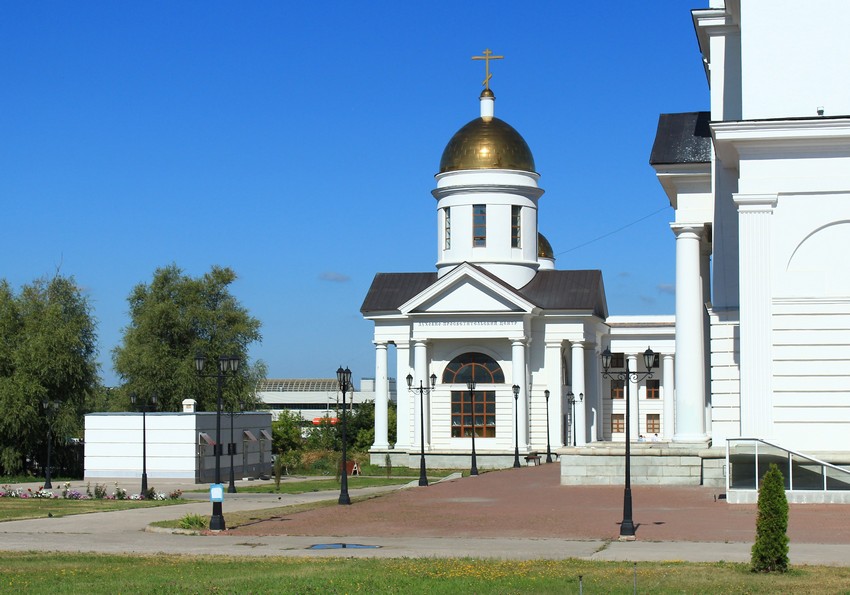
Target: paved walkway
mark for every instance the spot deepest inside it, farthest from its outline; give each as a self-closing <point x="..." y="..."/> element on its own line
<point x="511" y="514"/>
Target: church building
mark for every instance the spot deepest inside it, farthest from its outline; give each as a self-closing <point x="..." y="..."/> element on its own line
<point x="496" y="340"/>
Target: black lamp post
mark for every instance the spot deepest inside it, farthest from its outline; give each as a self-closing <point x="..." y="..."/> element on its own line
<point x="572" y="400"/>
<point x="471" y="386"/>
<point x="343" y="377"/>
<point x="144" y="403"/>
<point x="423" y="478"/>
<point x="231" y="489"/>
<point x="548" y="449"/>
<point x="627" y="527"/>
<point x="226" y="363"/>
<point x="516" y="425"/>
<point x="50" y="408"/>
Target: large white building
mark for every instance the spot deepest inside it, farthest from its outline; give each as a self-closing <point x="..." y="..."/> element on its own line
<point x="498" y="312"/>
<point x="760" y="343"/>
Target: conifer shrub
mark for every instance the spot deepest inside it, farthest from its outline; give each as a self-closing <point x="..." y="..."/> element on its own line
<point x="770" y="551"/>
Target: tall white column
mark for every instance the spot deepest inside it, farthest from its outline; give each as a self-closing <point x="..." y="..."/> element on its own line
<point x="554" y="383"/>
<point x="579" y="389"/>
<point x="381" y="397"/>
<point x="668" y="393"/>
<point x="754" y="229"/>
<point x="690" y="359"/>
<point x="420" y="373"/>
<point x="518" y="365"/>
<point x="593" y="394"/>
<point x="634" y="398"/>
<point x="404" y="422"/>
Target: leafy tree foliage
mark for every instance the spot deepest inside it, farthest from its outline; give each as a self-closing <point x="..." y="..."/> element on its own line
<point x="173" y="318"/>
<point x="770" y="551"/>
<point x="286" y="432"/>
<point x="360" y="431"/>
<point x="325" y="436"/>
<point x="47" y="353"/>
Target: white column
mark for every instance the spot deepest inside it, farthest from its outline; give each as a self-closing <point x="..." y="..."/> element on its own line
<point x="754" y="229"/>
<point x="634" y="398"/>
<point x="420" y="373"/>
<point x="579" y="389"/>
<point x="690" y="359"/>
<point x="554" y="383"/>
<point x="518" y="365"/>
<point x="668" y="393"/>
<point x="381" y="397"/>
<point x="593" y="394"/>
<point x="404" y="423"/>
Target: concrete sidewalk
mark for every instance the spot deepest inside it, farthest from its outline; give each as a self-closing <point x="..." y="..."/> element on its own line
<point x="510" y="514"/>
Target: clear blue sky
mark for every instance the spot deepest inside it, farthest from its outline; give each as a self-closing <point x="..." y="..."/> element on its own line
<point x="297" y="143"/>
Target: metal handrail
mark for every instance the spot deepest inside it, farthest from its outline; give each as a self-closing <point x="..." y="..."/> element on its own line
<point x="790" y="453"/>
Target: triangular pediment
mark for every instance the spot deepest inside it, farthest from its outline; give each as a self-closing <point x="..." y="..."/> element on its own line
<point x="467" y="289"/>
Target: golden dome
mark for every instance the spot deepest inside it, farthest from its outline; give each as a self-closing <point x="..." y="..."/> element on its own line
<point x="487" y="143"/>
<point x="544" y="248"/>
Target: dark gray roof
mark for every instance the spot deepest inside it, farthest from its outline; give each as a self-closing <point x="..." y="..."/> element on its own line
<point x="390" y="290"/>
<point x="568" y="290"/>
<point x="549" y="290"/>
<point x="682" y="138"/>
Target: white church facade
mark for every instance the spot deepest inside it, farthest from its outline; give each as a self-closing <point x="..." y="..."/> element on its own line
<point x="759" y="346"/>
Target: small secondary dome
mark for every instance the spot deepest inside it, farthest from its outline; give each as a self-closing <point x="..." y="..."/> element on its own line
<point x="544" y="248"/>
<point x="487" y="143"/>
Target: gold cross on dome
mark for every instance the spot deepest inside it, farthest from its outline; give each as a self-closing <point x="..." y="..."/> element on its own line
<point x="488" y="55"/>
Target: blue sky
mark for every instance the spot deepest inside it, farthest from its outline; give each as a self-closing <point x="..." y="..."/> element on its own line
<point x="297" y="143"/>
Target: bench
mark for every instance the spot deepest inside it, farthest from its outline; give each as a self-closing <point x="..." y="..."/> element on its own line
<point x="532" y="458"/>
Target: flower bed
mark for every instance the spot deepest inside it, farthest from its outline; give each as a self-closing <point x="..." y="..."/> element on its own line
<point x="100" y="493"/>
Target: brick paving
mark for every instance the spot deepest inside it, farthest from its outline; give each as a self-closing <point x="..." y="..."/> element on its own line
<point x="530" y="502"/>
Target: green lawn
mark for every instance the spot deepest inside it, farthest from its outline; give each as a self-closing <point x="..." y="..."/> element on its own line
<point x="318" y="485"/>
<point x="89" y="573"/>
<point x="36" y="508"/>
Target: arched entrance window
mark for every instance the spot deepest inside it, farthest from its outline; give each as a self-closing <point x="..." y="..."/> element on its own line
<point x="482" y="369"/>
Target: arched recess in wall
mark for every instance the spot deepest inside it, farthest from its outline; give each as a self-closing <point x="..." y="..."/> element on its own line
<point x="811" y="267"/>
<point x="478" y="367"/>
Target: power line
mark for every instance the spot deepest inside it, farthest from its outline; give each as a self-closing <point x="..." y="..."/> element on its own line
<point x="610" y="233"/>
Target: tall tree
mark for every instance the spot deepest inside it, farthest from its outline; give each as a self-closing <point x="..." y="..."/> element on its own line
<point x="47" y="353"/>
<point x="173" y="318"/>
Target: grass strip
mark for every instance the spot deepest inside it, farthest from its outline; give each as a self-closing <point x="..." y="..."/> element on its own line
<point x="41" y="572"/>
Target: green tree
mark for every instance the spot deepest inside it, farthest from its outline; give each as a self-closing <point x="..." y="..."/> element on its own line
<point x="47" y="353"/>
<point x="175" y="317"/>
<point x="324" y="436"/>
<point x="360" y="430"/>
<point x="286" y="432"/>
<point x="770" y="551"/>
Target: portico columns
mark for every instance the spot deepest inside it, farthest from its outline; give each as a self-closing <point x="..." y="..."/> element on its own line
<point x="552" y="364"/>
<point x="578" y="388"/>
<point x="593" y="394"/>
<point x="381" y="397"/>
<point x="690" y="359"/>
<point x="669" y="395"/>
<point x="518" y="365"/>
<point x="754" y="218"/>
<point x="403" y="433"/>
<point x="420" y="373"/>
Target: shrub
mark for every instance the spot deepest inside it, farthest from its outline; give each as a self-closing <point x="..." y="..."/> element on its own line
<point x="770" y="551"/>
<point x="193" y="522"/>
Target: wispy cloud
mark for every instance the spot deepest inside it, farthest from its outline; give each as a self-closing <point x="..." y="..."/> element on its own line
<point x="667" y="288"/>
<point x="334" y="277"/>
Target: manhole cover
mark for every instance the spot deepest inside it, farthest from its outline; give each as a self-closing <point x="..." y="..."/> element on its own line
<point x="342" y="546"/>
